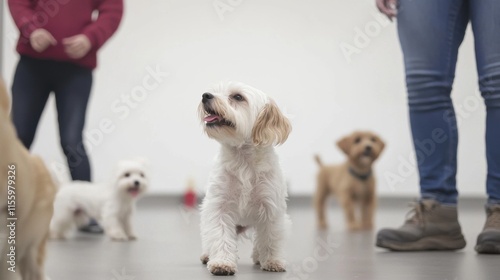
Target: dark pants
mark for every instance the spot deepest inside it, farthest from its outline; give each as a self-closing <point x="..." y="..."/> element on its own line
<point x="34" y="81"/>
<point x="431" y="32"/>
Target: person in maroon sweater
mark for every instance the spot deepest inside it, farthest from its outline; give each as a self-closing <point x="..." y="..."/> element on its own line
<point x="58" y="45"/>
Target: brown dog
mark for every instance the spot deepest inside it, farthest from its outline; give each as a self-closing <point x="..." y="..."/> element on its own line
<point x="353" y="182"/>
<point x="26" y="197"/>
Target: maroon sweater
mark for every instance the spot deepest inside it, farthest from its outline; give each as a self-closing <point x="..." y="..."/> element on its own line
<point x="66" y="18"/>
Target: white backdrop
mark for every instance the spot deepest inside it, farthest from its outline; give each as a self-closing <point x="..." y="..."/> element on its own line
<point x="290" y="49"/>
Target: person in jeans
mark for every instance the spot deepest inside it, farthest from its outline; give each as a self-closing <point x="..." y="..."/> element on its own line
<point x="430" y="33"/>
<point x="58" y="45"/>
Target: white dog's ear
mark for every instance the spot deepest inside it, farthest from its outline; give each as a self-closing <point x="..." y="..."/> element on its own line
<point x="345" y="144"/>
<point x="271" y="127"/>
<point x="144" y="161"/>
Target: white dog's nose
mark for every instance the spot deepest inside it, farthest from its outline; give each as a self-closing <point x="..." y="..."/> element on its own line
<point x="136" y="183"/>
<point x="206" y="97"/>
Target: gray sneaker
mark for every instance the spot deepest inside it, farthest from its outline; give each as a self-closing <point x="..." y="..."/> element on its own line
<point x="430" y="226"/>
<point x="488" y="241"/>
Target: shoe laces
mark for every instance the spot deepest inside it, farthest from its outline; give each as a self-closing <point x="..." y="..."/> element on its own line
<point x="493" y="214"/>
<point x="419" y="209"/>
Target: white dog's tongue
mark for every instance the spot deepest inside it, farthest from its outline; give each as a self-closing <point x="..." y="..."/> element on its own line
<point x="211" y="118"/>
<point x="134" y="192"/>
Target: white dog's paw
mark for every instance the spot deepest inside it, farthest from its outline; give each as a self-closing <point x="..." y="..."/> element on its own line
<point x="274" y="266"/>
<point x="132" y="237"/>
<point x="117" y="236"/>
<point x="221" y="267"/>
<point x="57" y="236"/>
<point x="255" y="257"/>
<point x="204" y="258"/>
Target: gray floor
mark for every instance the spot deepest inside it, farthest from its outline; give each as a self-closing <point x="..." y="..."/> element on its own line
<point x="169" y="247"/>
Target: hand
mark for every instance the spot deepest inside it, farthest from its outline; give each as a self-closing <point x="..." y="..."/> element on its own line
<point x="41" y="39"/>
<point x="77" y="46"/>
<point x="388" y="7"/>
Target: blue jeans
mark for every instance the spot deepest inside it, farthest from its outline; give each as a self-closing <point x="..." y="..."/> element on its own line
<point x="430" y="33"/>
<point x="34" y="81"/>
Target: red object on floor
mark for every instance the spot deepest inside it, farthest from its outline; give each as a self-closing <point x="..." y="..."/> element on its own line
<point x="190" y="198"/>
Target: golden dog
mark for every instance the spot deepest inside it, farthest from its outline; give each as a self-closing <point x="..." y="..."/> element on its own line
<point x="26" y="198"/>
<point x="353" y="182"/>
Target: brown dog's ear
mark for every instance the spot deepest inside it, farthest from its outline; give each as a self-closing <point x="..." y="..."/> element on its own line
<point x="4" y="98"/>
<point x="382" y="144"/>
<point x="345" y="144"/>
<point x="271" y="127"/>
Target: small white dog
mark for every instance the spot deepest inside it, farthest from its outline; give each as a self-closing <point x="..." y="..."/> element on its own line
<point x="246" y="187"/>
<point x="111" y="205"/>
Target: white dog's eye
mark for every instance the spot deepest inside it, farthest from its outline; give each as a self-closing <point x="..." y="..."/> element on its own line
<point x="238" y="97"/>
<point x="127" y="174"/>
<point x="142" y="175"/>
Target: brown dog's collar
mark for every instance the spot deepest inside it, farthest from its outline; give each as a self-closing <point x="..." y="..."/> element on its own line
<point x="361" y="177"/>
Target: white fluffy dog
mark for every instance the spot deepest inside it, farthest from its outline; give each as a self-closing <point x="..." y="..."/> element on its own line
<point x="111" y="205"/>
<point x="246" y="187"/>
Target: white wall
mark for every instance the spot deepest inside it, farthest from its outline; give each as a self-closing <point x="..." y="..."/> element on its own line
<point x="289" y="49"/>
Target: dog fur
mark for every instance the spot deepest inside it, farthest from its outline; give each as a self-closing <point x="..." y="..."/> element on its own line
<point x="112" y="205"/>
<point x="34" y="196"/>
<point x="246" y="187"/>
<point x="354" y="192"/>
